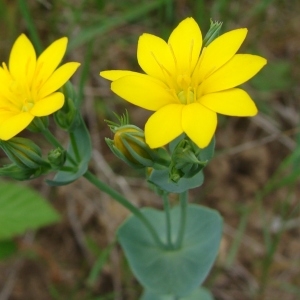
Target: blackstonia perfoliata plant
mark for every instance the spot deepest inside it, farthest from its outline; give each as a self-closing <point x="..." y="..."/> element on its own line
<point x="187" y="82"/>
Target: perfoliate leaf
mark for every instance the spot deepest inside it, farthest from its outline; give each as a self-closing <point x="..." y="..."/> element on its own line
<point x="172" y="272"/>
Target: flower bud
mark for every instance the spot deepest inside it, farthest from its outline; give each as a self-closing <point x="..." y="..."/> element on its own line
<point x="185" y="161"/>
<point x="130" y="146"/>
<point x="213" y="32"/>
<point x="15" y="172"/>
<point x="23" y="152"/>
<point x="68" y="116"/>
<point x="57" y="158"/>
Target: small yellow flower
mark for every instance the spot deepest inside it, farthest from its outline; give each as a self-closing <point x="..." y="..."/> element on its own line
<point x="187" y="87"/>
<point x="29" y="84"/>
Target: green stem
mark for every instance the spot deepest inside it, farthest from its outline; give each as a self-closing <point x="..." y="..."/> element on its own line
<point x="74" y="145"/>
<point x="123" y="201"/>
<point x="168" y="220"/>
<point x="183" y="217"/>
<point x="53" y="141"/>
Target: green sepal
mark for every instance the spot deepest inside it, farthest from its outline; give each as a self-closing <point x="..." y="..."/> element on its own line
<point x="39" y="124"/>
<point x="184" y="161"/>
<point x="213" y="32"/>
<point x="23" y="152"/>
<point x="130" y="146"/>
<point x="13" y="171"/>
<point x="194" y="176"/>
<point x="57" y="158"/>
<point x="78" y="156"/>
<point x="68" y="117"/>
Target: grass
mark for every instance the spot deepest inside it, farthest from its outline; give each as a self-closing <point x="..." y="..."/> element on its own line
<point x="261" y="257"/>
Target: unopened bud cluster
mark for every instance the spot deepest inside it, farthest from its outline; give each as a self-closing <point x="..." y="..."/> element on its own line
<point x="129" y="145"/>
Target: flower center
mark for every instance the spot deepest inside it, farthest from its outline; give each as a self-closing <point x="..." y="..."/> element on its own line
<point x="27" y="105"/>
<point x="22" y="96"/>
<point x="186" y="94"/>
<point x="186" y="97"/>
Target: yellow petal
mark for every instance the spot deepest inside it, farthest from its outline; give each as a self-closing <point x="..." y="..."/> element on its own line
<point x="48" y="105"/>
<point x="22" y="60"/>
<point x="49" y="60"/>
<point x="143" y="90"/>
<point x="233" y="102"/>
<point x="186" y="42"/>
<point x="154" y="56"/>
<point x="116" y="74"/>
<point x="12" y="126"/>
<point x="6" y="81"/>
<point x="199" y="123"/>
<point x="8" y="106"/>
<point x="238" y="70"/>
<point x="220" y="51"/>
<point x="6" y="113"/>
<point x="164" y="126"/>
<point x="58" y="79"/>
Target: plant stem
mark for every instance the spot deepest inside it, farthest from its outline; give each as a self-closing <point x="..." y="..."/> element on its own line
<point x="183" y="214"/>
<point x="51" y="138"/>
<point x="123" y="201"/>
<point x="53" y="141"/>
<point x="168" y="220"/>
<point x="74" y="146"/>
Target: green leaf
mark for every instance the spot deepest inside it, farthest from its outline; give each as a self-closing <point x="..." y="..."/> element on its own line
<point x="80" y="150"/>
<point x="172" y="272"/>
<point x="7" y="248"/>
<point x="161" y="179"/>
<point x="22" y="209"/>
<point x="199" y="294"/>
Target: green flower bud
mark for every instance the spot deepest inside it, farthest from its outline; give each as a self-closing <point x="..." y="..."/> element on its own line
<point x="23" y="152"/>
<point x="68" y="116"/>
<point x="130" y="146"/>
<point x="213" y="32"/>
<point x="15" y="172"/>
<point x="185" y="161"/>
<point x="57" y="158"/>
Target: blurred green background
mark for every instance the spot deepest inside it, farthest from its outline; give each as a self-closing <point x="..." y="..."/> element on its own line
<point x="252" y="181"/>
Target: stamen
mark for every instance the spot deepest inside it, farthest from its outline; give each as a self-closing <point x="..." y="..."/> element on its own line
<point x="160" y="65"/>
<point x="168" y="76"/>
<point x="174" y="57"/>
<point x="195" y="77"/>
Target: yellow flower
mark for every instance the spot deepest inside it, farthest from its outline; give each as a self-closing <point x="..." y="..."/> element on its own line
<point x="29" y="84"/>
<point x="185" y="89"/>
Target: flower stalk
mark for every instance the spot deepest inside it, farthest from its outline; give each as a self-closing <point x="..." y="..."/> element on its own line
<point x="125" y="203"/>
